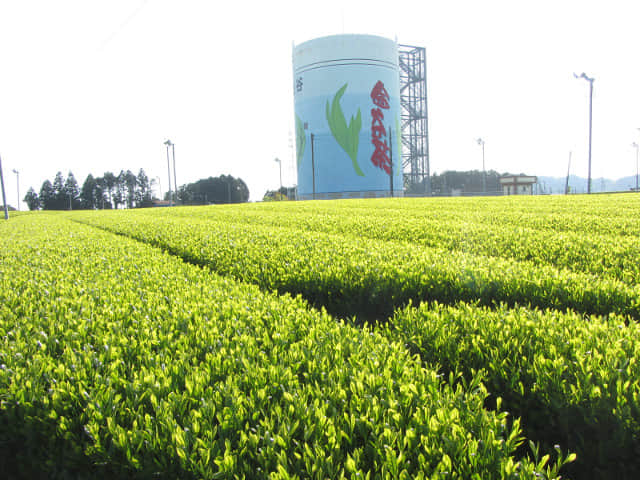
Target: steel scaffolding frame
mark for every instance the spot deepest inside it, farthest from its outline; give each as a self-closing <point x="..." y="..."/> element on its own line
<point x="413" y="115"/>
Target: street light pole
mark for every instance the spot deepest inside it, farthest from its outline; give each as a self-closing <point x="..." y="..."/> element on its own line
<point x="590" y="80"/>
<point x="17" y="185"/>
<point x="175" y="179"/>
<point x="167" y="143"/>
<point x="484" y="175"/>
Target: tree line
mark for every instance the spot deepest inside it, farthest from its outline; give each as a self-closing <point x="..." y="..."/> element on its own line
<point x="222" y="189"/>
<point x="127" y="190"/>
<point x="106" y="192"/>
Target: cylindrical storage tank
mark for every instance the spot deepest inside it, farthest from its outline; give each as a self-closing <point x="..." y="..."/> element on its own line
<point x="347" y="116"/>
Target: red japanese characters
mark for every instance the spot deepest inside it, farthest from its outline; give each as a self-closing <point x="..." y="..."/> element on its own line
<point x="380" y="157"/>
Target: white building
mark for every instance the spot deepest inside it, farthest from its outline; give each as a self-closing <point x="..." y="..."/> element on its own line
<point x="518" y="184"/>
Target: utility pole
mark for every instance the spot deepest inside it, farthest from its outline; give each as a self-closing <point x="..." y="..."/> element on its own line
<point x="391" y="161"/>
<point x="637" y="146"/>
<point x="566" y="185"/>
<point x="313" y="168"/>
<point x="293" y="171"/>
<point x="4" y="197"/>
<point x="280" y="163"/>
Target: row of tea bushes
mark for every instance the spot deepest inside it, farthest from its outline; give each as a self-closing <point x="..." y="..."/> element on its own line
<point x="364" y="277"/>
<point x="616" y="256"/>
<point x="120" y="361"/>
<point x="604" y="214"/>
<point x="572" y="380"/>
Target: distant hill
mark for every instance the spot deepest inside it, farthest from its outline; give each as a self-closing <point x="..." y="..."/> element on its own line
<point x="579" y="184"/>
<point x="453" y="182"/>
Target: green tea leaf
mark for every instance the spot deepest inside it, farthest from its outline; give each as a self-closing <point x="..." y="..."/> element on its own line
<point x="347" y="136"/>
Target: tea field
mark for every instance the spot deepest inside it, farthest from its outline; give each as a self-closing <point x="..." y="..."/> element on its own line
<point x="466" y="338"/>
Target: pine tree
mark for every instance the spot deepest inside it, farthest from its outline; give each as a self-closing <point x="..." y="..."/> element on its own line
<point x="88" y="193"/>
<point x="143" y="196"/>
<point x="71" y="192"/>
<point x="59" y="198"/>
<point x="47" y="196"/>
<point x="32" y="200"/>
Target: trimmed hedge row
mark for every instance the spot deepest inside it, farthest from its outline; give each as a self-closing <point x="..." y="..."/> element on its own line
<point x="584" y="251"/>
<point x="573" y="380"/>
<point x="119" y="361"/>
<point x="364" y="277"/>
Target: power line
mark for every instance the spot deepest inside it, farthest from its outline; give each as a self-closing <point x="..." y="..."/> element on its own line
<point x="121" y="27"/>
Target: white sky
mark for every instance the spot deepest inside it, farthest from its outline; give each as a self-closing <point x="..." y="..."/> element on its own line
<point x="90" y="86"/>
